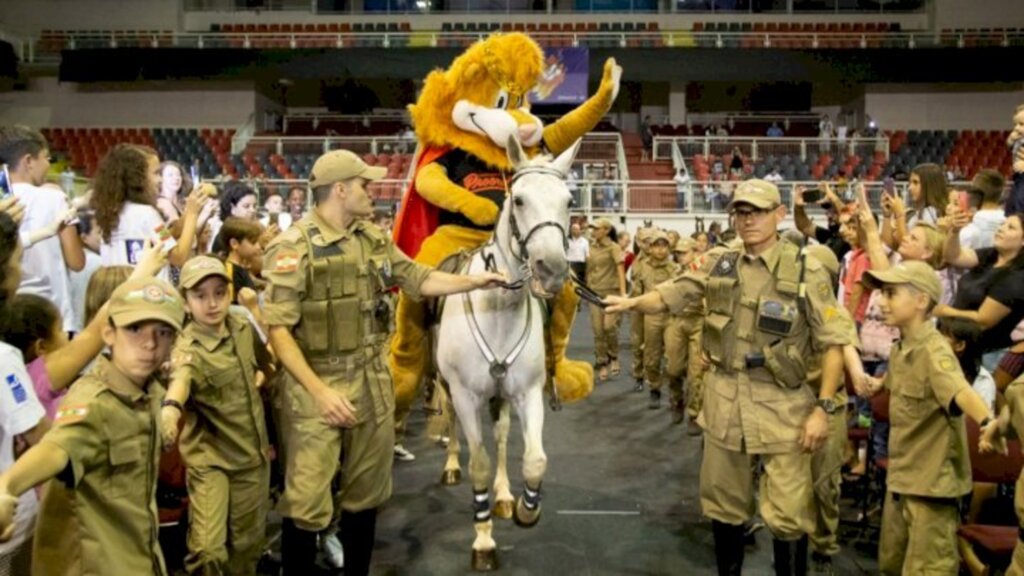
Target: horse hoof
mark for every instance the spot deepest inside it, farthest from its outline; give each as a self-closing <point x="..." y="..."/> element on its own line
<point x="502" y="509"/>
<point x="485" y="560"/>
<point x="451" y="477"/>
<point x="525" y="518"/>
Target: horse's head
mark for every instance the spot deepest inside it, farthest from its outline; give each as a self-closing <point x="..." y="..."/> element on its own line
<point x="537" y="210"/>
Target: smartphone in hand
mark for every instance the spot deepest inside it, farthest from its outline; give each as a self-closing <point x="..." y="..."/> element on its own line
<point x="813" y="196"/>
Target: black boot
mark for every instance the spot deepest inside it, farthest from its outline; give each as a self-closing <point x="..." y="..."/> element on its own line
<point x="357" y="537"/>
<point x="790" y="557"/>
<point x="728" y="548"/>
<point x="298" y="549"/>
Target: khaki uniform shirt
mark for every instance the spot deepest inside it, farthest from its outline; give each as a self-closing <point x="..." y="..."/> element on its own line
<point x="746" y="408"/>
<point x="99" y="515"/>
<point x="224" y="423"/>
<point x="285" y="268"/>
<point x="928" y="453"/>
<point x="603" y="265"/>
<point x="652" y="274"/>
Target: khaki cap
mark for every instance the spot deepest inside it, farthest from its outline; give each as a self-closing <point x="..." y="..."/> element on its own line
<point x="685" y="245"/>
<point x="199" y="268"/>
<point x="657" y="234"/>
<point x="917" y="274"/>
<point x="758" y="193"/>
<point x="601" y="223"/>
<point x="339" y="165"/>
<point x="826" y="256"/>
<point x="146" y="299"/>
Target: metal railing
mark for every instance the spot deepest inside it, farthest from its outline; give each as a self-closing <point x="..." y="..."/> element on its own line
<point x="317" y="145"/>
<point x="43" y="48"/>
<point x="761" y="149"/>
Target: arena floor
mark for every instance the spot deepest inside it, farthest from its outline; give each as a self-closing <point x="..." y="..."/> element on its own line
<point x="620" y="497"/>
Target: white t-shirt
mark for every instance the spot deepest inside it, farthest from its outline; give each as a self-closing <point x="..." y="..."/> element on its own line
<point x="137" y="224"/>
<point x="981" y="232"/>
<point x="579" y="249"/>
<point x="44" y="272"/>
<point x="79" y="284"/>
<point x="20" y="411"/>
<point x="985" y="386"/>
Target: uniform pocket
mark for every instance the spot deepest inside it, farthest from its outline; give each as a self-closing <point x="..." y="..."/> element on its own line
<point x="786" y="365"/>
<point x="345" y="316"/>
<point x="125" y="456"/>
<point x="716" y="338"/>
<point x="313" y="330"/>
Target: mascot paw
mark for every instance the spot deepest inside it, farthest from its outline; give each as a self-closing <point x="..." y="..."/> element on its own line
<point x="612" y="77"/>
<point x="574" y="380"/>
<point x="481" y="212"/>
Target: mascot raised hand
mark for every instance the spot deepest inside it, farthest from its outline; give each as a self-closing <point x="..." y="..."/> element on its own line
<point x="463" y="119"/>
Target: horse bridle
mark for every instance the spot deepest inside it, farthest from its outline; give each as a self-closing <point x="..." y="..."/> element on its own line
<point x="524" y="253"/>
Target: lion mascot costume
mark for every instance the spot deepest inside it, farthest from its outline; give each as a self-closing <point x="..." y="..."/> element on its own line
<point x="463" y="119"/>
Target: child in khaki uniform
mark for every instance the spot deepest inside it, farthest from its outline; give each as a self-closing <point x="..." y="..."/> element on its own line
<point x="657" y="269"/>
<point x="636" y="321"/>
<point x="1011" y="422"/>
<point x="224" y="440"/>
<point x="606" y="275"/>
<point x="683" y="350"/>
<point x="929" y="465"/>
<point x="99" y="515"/>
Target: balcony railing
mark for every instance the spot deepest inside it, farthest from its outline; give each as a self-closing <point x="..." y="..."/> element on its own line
<point x="758" y="149"/>
<point x="53" y="43"/>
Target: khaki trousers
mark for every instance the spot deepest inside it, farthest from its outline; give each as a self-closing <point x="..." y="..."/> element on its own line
<point x="606" y="335"/>
<point x="786" y="498"/>
<point x="826" y="472"/>
<point x="683" y="350"/>
<point x="919" y="536"/>
<point x="637" y="339"/>
<point x="655" y="327"/>
<point x="227" y="519"/>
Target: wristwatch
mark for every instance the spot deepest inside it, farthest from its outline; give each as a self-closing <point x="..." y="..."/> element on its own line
<point x="828" y="405"/>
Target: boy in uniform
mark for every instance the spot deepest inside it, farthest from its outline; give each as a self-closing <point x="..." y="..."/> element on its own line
<point x="99" y="514"/>
<point x="224" y="441"/>
<point x="636" y="326"/>
<point x="929" y="463"/>
<point x="658" y="268"/>
<point x="1011" y="421"/>
<point x="683" y="350"/>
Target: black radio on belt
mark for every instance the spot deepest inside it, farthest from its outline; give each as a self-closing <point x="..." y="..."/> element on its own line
<point x="753" y="360"/>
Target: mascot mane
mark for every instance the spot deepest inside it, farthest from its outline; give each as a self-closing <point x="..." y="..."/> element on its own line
<point x="501" y="63"/>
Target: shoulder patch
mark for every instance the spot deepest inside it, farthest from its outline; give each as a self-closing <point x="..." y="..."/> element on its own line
<point x="71" y="414"/>
<point x="824" y="290"/>
<point x="947" y="364"/>
<point x="286" y="261"/>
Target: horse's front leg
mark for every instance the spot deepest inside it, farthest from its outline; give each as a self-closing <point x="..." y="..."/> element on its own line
<point x="503" y="500"/>
<point x="530" y="407"/>
<point x="468" y="406"/>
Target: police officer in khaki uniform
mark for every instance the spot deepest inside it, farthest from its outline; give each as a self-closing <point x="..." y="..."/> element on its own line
<point x="636" y="321"/>
<point x="758" y="333"/>
<point x="606" y="275"/>
<point x="99" y="515"/>
<point x="658" y="268"/>
<point x="328" y="310"/>
<point x="224" y="441"/>
<point x="683" y="349"/>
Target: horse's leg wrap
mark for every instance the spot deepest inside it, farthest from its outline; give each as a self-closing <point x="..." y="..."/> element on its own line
<point x="481" y="506"/>
<point x="531" y="497"/>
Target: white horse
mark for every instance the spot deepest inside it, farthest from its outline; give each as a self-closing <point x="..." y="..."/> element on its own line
<point x="490" y="344"/>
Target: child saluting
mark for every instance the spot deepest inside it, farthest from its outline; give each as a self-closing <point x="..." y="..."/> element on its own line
<point x="99" y="513"/>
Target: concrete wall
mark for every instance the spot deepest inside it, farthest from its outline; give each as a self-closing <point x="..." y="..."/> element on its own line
<point x="978" y="14"/>
<point x="943" y="107"/>
<point x="31" y="16"/>
<point x="50" y="103"/>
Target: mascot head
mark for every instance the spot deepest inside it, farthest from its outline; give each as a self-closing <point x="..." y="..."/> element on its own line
<point x="481" y="99"/>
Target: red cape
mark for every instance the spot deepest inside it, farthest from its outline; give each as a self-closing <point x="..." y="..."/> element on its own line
<point x="417" y="219"/>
